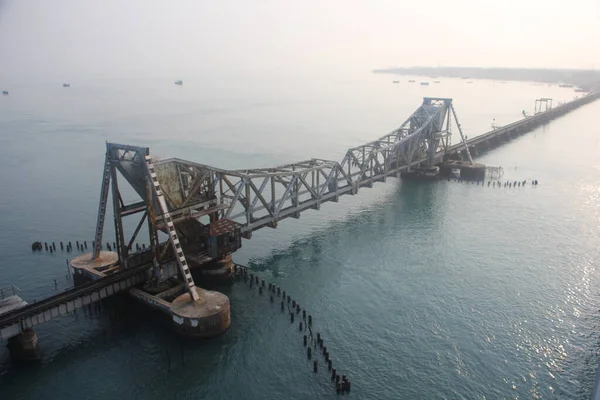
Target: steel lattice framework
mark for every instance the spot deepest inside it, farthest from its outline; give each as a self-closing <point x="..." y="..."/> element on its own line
<point x="177" y="194"/>
<point x="262" y="197"/>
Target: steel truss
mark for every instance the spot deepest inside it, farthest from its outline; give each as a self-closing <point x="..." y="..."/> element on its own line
<point x="177" y="194"/>
<point x="256" y="198"/>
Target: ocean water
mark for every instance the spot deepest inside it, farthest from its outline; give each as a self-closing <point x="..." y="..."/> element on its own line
<point x="429" y="290"/>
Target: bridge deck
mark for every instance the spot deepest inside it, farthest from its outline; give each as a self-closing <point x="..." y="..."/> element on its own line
<point x="531" y="120"/>
<point x="262" y="197"/>
<point x="14" y="322"/>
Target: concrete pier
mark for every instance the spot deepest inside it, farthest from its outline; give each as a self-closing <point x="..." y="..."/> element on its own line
<point x="232" y="204"/>
<point x="204" y="318"/>
<point x="25" y="346"/>
<point x="106" y="263"/>
<point x="468" y="171"/>
<point x="207" y="317"/>
<point x="215" y="271"/>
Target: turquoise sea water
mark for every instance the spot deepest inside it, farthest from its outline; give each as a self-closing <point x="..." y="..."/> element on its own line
<point x="431" y="290"/>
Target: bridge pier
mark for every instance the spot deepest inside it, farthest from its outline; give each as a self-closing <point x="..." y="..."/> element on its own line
<point x="468" y="172"/>
<point x="474" y="172"/>
<point x="445" y="171"/>
<point x="494" y="142"/>
<point x="204" y="318"/>
<point x="25" y="346"/>
<point x="215" y="271"/>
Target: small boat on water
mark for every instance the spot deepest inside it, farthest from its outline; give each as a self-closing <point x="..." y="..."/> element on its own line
<point x="411" y="80"/>
<point x="5" y="92"/>
<point x="425" y="83"/>
<point x="396" y="82"/>
<point x="66" y="85"/>
<point x="179" y="82"/>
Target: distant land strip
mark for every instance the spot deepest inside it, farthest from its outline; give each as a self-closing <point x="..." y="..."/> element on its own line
<point x="584" y="79"/>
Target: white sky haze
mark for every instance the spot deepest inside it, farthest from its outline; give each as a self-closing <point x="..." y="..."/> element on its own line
<point x="81" y="36"/>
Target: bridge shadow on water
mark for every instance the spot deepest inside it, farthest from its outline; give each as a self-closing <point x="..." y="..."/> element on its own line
<point x="407" y="206"/>
<point x="127" y="338"/>
<point x="117" y="336"/>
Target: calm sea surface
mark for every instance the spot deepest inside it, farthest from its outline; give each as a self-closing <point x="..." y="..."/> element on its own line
<point x="421" y="291"/>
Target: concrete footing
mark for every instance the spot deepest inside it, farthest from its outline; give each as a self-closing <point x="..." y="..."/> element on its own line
<point x="207" y="317"/>
<point x="204" y="318"/>
<point x="25" y="346"/>
<point x="474" y="172"/>
<point x="106" y="263"/>
<point x="468" y="171"/>
<point x="215" y="271"/>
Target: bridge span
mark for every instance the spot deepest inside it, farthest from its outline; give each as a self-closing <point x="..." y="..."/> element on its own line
<point x="196" y="215"/>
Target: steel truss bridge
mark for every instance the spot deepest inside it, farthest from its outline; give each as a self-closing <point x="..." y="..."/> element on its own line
<point x="205" y="210"/>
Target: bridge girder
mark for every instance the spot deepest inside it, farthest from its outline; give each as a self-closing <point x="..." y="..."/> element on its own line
<point x="261" y="197"/>
<point x="255" y="198"/>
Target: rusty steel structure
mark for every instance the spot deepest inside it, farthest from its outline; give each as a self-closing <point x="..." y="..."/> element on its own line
<point x="262" y="197"/>
<point x="197" y="214"/>
<point x="204" y="211"/>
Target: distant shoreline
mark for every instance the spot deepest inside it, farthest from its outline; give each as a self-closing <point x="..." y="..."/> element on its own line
<point x="585" y="79"/>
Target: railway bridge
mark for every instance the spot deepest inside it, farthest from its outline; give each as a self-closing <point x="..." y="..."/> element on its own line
<point x="196" y="215"/>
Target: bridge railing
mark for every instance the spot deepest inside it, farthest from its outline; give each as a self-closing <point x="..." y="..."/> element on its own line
<point x="261" y="197"/>
<point x="500" y="130"/>
<point x="8" y="291"/>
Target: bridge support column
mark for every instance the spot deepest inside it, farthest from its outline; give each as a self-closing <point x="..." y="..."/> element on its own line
<point x="25" y="346"/>
<point x="445" y="171"/>
<point x="216" y="271"/>
<point x="204" y="318"/>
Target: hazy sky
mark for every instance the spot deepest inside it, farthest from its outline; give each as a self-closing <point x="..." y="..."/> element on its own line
<point x="127" y="36"/>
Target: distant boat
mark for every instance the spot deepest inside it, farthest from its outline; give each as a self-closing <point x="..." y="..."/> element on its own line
<point x="66" y="85"/>
<point x="179" y="82"/>
<point x="5" y="92"/>
<point x="396" y="82"/>
<point x="425" y="83"/>
<point x="411" y="80"/>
